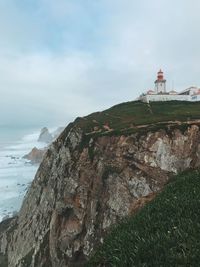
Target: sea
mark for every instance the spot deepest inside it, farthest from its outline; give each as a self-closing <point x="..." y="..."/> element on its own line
<point x="16" y="173"/>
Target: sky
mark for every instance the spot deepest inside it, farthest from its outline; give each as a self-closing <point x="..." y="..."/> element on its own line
<point x="66" y="58"/>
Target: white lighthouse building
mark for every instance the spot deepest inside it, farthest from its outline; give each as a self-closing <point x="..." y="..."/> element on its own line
<point x="160" y="83"/>
<point x="160" y="92"/>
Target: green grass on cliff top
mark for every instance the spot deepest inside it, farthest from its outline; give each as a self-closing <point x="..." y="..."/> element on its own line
<point x="127" y="116"/>
<point x="166" y="232"/>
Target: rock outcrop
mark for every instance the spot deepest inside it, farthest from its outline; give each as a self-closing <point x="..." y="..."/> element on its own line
<point x="85" y="184"/>
<point x="45" y="136"/>
<point x="36" y="155"/>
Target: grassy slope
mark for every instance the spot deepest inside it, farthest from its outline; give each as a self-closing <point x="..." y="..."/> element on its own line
<point x="166" y="232"/>
<point x="123" y="118"/>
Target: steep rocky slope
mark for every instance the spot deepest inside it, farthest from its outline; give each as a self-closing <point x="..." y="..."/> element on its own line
<point x="165" y="232"/>
<point x="100" y="169"/>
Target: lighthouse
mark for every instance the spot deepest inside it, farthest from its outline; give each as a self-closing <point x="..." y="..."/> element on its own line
<point x="160" y="83"/>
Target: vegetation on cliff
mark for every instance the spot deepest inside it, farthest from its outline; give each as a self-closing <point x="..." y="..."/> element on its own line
<point x="166" y="232"/>
<point x="136" y="116"/>
<point x="100" y="170"/>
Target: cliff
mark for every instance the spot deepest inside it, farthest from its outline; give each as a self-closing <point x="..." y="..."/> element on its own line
<point x="100" y="169"/>
<point x="165" y="232"/>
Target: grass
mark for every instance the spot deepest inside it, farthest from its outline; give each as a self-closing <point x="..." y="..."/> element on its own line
<point x="126" y="117"/>
<point x="134" y="117"/>
<point x="166" y="232"/>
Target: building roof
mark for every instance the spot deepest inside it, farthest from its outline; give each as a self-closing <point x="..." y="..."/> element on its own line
<point x="188" y="89"/>
<point x="149" y="92"/>
<point x="197" y="92"/>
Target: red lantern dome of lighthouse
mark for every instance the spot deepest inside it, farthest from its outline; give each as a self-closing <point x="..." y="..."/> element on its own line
<point x="160" y="75"/>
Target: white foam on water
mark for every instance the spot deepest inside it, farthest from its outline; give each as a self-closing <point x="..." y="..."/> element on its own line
<point x="16" y="173"/>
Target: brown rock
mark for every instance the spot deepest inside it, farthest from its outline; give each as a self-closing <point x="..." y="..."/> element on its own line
<point x="36" y="155"/>
<point x="84" y="186"/>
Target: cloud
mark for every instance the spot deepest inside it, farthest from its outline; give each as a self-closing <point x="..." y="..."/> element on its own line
<point x="55" y="84"/>
<point x="62" y="59"/>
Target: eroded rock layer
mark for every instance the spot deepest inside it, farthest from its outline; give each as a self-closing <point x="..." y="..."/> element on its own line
<point x="86" y="184"/>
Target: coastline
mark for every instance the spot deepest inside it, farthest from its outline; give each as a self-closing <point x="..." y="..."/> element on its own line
<point x="16" y="173"/>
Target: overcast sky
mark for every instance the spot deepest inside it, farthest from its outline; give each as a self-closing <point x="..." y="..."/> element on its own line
<point x="65" y="58"/>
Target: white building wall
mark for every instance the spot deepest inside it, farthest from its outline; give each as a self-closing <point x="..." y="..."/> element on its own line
<point x="160" y="86"/>
<point x="195" y="98"/>
<point x="155" y="98"/>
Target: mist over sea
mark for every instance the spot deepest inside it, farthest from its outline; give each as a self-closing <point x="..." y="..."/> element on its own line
<point x="16" y="173"/>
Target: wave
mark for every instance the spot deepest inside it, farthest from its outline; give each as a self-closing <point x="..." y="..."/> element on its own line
<point x="16" y="173"/>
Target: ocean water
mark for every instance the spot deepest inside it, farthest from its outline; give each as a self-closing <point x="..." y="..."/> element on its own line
<point x="16" y="173"/>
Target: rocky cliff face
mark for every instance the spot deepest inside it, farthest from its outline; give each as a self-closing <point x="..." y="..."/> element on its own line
<point x="86" y="184"/>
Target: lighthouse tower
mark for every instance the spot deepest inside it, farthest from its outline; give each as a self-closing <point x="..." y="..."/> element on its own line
<point x="160" y="83"/>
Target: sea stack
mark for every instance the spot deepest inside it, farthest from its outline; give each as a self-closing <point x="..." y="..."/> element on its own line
<point x="45" y="136"/>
